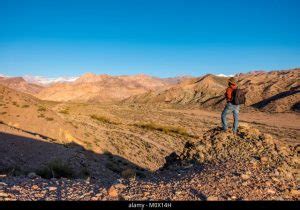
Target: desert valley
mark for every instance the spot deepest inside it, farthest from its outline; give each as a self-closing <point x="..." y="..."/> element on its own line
<point x="139" y="137"/>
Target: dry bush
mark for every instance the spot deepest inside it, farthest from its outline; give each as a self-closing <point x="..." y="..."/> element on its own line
<point x="102" y="119"/>
<point x="41" y="109"/>
<point x="56" y="169"/>
<point x="64" y="111"/>
<point x="115" y="167"/>
<point x="15" y="104"/>
<point x="41" y="116"/>
<point x="25" y="106"/>
<point x="128" y="173"/>
<point x="49" y="118"/>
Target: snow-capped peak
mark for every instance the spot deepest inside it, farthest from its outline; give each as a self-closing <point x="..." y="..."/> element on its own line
<point x="48" y="80"/>
<point x="223" y="75"/>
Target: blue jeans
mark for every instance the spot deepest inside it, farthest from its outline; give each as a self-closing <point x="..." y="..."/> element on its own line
<point x="235" y="110"/>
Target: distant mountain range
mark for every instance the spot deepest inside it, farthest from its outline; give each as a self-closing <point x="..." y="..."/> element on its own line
<point x="270" y="91"/>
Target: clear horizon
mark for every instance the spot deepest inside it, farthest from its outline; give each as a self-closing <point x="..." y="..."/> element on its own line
<point x="158" y="38"/>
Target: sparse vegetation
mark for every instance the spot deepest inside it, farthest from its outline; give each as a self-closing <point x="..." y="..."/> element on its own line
<point x="49" y="118"/>
<point x="56" y="169"/>
<point x="12" y="171"/>
<point x="89" y="145"/>
<point x="128" y="173"/>
<point x="41" y="116"/>
<point x="108" y="153"/>
<point x="102" y="119"/>
<point x="15" y="104"/>
<point x="115" y="167"/>
<point x="25" y="106"/>
<point x="41" y="109"/>
<point x="64" y="111"/>
<point x="163" y="128"/>
<point x="140" y="174"/>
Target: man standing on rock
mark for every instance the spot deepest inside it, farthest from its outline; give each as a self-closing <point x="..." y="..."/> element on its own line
<point x="230" y="105"/>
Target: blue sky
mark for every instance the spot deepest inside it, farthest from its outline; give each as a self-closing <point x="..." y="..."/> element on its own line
<point x="157" y="37"/>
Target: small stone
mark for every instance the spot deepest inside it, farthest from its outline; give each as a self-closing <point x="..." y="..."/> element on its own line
<point x="146" y="193"/>
<point x="52" y="188"/>
<point x="39" y="195"/>
<point x="245" y="176"/>
<point x="3" y="184"/>
<point x="270" y="191"/>
<point x="9" y="199"/>
<point x="178" y="192"/>
<point x="94" y="198"/>
<point x="120" y="186"/>
<point x="264" y="159"/>
<point x="212" y="198"/>
<point x="3" y="194"/>
<point x="275" y="179"/>
<point x="233" y="197"/>
<point x="32" y="175"/>
<point x="279" y="198"/>
<point x="245" y="183"/>
<point x="34" y="187"/>
<point x="268" y="139"/>
<point x="295" y="192"/>
<point x="112" y="192"/>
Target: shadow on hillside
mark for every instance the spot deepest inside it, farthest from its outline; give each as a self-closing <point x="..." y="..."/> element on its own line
<point x="21" y="155"/>
<point x="278" y="96"/>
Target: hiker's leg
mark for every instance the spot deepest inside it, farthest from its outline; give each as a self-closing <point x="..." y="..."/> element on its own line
<point x="236" y="117"/>
<point x="223" y="117"/>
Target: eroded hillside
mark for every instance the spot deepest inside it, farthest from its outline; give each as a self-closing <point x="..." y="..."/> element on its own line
<point x="276" y="91"/>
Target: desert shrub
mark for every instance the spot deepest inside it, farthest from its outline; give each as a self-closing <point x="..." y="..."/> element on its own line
<point x="64" y="111"/>
<point x="102" y="119"/>
<point x="108" y="154"/>
<point x="41" y="109"/>
<point x="3" y="113"/>
<point x="114" y="167"/>
<point x="147" y="145"/>
<point x="84" y="172"/>
<point x="140" y="174"/>
<point x="15" y="103"/>
<point x="128" y="173"/>
<point x="163" y="128"/>
<point x="12" y="170"/>
<point x="56" y="169"/>
<point x="49" y="119"/>
<point x="89" y="145"/>
<point x="41" y="115"/>
<point x="25" y="106"/>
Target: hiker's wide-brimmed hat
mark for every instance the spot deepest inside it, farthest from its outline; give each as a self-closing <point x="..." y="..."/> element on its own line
<point x="232" y="80"/>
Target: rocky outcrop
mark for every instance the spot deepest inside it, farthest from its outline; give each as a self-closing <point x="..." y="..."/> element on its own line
<point x="249" y="145"/>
